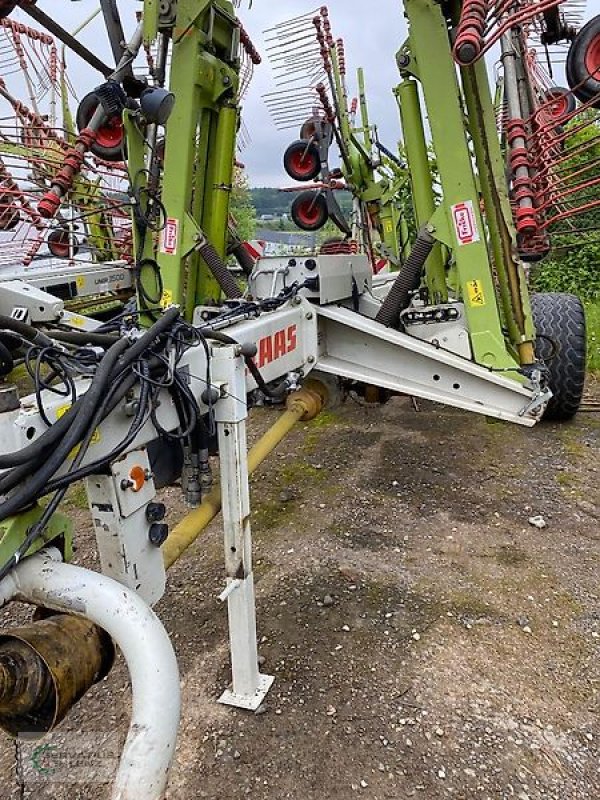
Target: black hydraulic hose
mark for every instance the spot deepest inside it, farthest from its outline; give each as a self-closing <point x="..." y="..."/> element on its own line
<point x="26" y="331"/>
<point x="243" y="257"/>
<point x="149" y="337"/>
<point x="219" y="269"/>
<point x="7" y="361"/>
<point x="83" y="338"/>
<point x="90" y="401"/>
<point x="408" y="281"/>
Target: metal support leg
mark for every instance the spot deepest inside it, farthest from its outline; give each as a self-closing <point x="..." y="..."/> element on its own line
<point x="249" y="686"/>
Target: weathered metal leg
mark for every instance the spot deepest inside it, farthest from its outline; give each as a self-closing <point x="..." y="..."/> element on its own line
<point x="249" y="686"/>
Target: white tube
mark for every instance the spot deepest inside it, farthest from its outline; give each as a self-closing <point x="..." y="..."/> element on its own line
<point x="146" y="647"/>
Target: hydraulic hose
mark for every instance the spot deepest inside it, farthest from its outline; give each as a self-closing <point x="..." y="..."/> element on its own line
<point x="220" y="272"/>
<point x="26" y="331"/>
<point x="7" y="361"/>
<point x="408" y="281"/>
<point x="90" y="401"/>
<point x="83" y="338"/>
<point x="38" y="449"/>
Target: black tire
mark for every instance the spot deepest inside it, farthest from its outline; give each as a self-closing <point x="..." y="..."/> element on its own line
<point x="301" y="161"/>
<point x="110" y="141"/>
<point x="560" y="323"/>
<point x="309" y="211"/>
<point x="561" y="102"/>
<point x="583" y="63"/>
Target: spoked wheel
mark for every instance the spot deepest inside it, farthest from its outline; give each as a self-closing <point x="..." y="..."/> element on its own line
<point x="583" y="63"/>
<point x="62" y="244"/>
<point x="309" y="211"/>
<point x="110" y="138"/>
<point x="302" y="161"/>
<point x="561" y="344"/>
<point x="561" y="102"/>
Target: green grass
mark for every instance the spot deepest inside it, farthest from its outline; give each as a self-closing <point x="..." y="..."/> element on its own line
<point x="592" y="311"/>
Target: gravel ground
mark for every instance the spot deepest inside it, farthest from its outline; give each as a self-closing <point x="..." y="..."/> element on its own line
<point x="426" y="638"/>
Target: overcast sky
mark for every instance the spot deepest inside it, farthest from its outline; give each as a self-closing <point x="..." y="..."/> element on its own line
<point x="373" y="32"/>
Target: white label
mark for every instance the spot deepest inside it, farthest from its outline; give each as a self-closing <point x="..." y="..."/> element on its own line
<point x="170" y="236"/>
<point x="465" y="223"/>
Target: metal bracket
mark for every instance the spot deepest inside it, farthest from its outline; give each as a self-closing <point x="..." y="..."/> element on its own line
<point x="249" y="687"/>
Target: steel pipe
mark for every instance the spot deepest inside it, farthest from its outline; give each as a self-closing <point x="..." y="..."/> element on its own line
<point x="44" y="580"/>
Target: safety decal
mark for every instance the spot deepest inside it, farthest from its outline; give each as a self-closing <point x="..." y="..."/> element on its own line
<point x="476" y="294"/>
<point x="465" y="223"/>
<point x="170" y="237"/>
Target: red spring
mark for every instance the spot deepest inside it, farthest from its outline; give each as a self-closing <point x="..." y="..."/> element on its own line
<point x="63" y="181"/>
<point x="470" y="31"/>
<point x="322" y="43"/>
<point x="341" y="56"/>
<point x="49" y="205"/>
<point x="327" y="27"/>
<point x="249" y="47"/>
<point x="345" y="247"/>
<point x="329" y="112"/>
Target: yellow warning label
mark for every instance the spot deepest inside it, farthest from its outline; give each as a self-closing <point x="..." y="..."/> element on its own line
<point x="167" y="298"/>
<point x="388" y="226"/>
<point x="60" y="412"/>
<point x="80" y="281"/>
<point x="476" y="293"/>
<point x="79" y="322"/>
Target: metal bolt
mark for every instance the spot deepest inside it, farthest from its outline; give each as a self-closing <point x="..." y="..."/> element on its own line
<point x="311" y="359"/>
<point x="309" y="315"/>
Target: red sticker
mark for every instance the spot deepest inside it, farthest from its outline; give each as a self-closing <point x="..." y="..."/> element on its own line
<point x="465" y="223"/>
<point x="170" y="237"/>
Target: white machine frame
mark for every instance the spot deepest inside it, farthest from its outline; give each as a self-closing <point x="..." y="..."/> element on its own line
<point x="310" y="332"/>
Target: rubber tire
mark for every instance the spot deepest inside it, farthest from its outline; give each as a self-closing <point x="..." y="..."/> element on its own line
<point x="315" y="204"/>
<point x="561" y="317"/>
<point x="557" y="93"/>
<point x="577" y="71"/>
<point x="298" y="151"/>
<point x="84" y="114"/>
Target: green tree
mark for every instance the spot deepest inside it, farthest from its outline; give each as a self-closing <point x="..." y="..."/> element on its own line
<point x="242" y="208"/>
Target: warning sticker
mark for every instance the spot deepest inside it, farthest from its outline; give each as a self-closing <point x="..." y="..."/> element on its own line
<point x="476" y="293"/>
<point x="170" y="236"/>
<point x="465" y="223"/>
<point x="167" y="298"/>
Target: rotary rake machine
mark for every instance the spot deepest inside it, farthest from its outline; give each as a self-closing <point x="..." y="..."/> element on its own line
<point x="82" y="254"/>
<point x="152" y="396"/>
